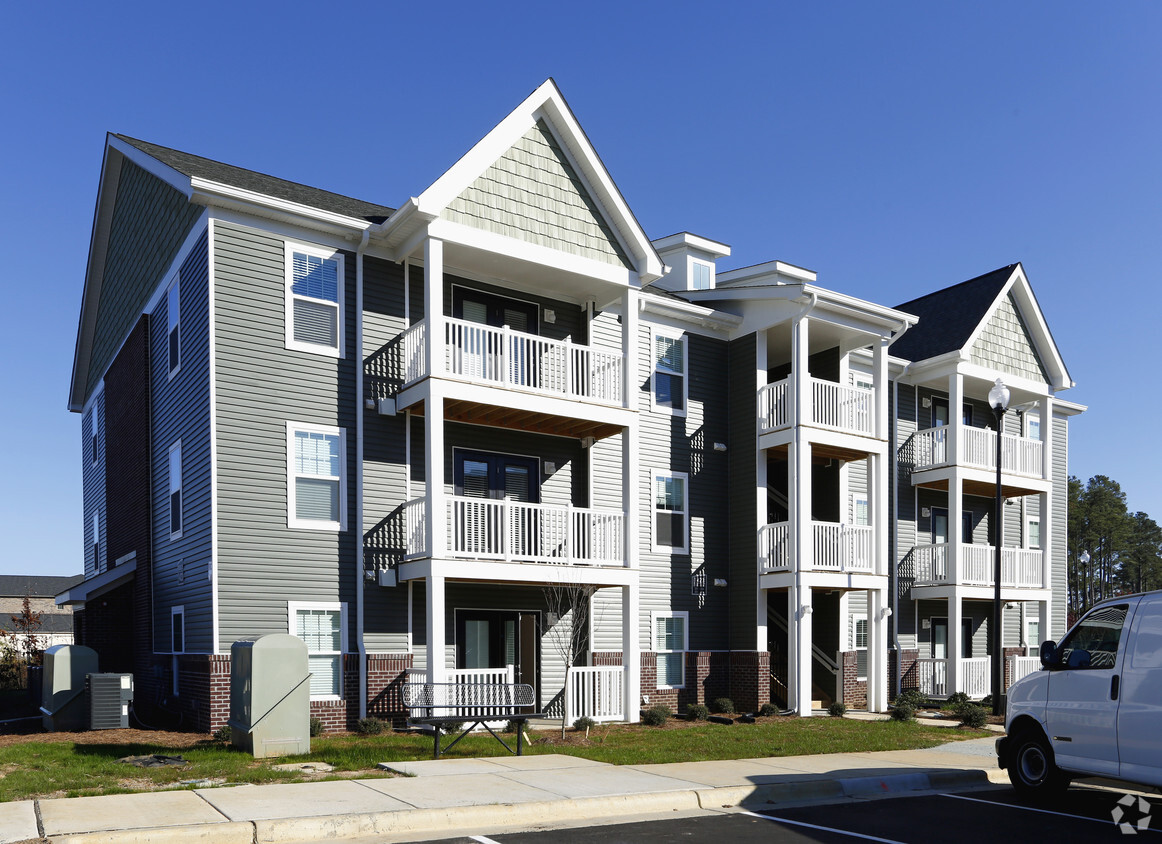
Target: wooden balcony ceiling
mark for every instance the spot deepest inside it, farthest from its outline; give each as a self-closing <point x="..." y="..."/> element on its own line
<point x="983" y="489"/>
<point x="475" y="413"/>
<point x="821" y="453"/>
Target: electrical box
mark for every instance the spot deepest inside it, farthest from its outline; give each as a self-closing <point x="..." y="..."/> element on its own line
<point x="270" y="696"/>
<point x="109" y="699"/>
<point x="64" y="704"/>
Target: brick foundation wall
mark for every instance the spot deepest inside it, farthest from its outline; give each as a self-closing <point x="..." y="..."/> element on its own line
<point x="1010" y="652"/>
<point x="742" y="676"/>
<point x="854" y="690"/>
<point x="906" y="668"/>
<point x="750" y="679"/>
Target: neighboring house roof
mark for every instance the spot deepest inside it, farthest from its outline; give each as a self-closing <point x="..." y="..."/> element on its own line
<point x="36" y="586"/>
<point x="197" y="167"/>
<point x="60" y="621"/>
<point x="949" y="317"/>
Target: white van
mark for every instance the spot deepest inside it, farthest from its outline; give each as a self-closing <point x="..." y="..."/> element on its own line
<point x="1096" y="707"/>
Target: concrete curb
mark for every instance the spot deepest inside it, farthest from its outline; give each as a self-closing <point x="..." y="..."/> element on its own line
<point x="340" y="827"/>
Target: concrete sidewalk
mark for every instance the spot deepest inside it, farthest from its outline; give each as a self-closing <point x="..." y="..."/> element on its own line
<point x="446" y="795"/>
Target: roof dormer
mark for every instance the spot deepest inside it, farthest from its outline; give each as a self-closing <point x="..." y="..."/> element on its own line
<point x="691" y="260"/>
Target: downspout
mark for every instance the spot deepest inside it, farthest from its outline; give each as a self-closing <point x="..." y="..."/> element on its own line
<point x="798" y="440"/>
<point x="893" y="567"/>
<point x="359" y="411"/>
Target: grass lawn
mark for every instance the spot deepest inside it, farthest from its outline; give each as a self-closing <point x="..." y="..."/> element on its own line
<point x="38" y="766"/>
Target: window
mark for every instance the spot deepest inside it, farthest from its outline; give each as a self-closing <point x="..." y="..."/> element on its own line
<point x="324" y="628"/>
<point x="859" y="642"/>
<point x="671" y="639"/>
<point x="96" y="540"/>
<point x="1033" y="632"/>
<point x="93" y="435"/>
<point x="177" y="617"/>
<point x="700" y="276"/>
<point x="173" y="315"/>
<point x="316" y="487"/>
<point x="669" y="392"/>
<point x="671" y="506"/>
<point x="1033" y="424"/>
<point x="859" y="511"/>
<point x="940" y="413"/>
<point x="1033" y="535"/>
<point x="175" y="490"/>
<point x="314" y="300"/>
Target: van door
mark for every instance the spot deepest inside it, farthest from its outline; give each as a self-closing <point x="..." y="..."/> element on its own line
<point x="1140" y="708"/>
<point x="1081" y="705"/>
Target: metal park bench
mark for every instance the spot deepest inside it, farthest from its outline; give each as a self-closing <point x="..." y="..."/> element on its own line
<point x="437" y="705"/>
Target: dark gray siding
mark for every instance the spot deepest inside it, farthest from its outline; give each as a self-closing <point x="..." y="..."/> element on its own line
<point x="261" y="385"/>
<point x="150" y="223"/>
<point x="904" y="532"/>
<point x="93" y="484"/>
<point x="569" y="319"/>
<point x="740" y="497"/>
<point x="181" y="411"/>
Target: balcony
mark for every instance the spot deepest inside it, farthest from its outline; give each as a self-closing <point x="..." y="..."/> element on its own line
<point x="513" y="360"/>
<point x="510" y="531"/>
<point x="1020" y="456"/>
<point x="1021" y="568"/>
<point x="837" y="407"/>
<point x="835" y="548"/>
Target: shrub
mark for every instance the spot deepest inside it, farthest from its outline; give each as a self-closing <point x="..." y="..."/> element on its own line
<point x="724" y="705"/>
<point x="510" y="726"/>
<point x="987" y="702"/>
<point x="655" y="716"/>
<point x="911" y="697"/>
<point x="837" y="709"/>
<point x="768" y="709"/>
<point x="973" y="716"/>
<point x="371" y="726"/>
<point x="316" y="727"/>
<point x="697" y="711"/>
<point x="451" y="728"/>
<point x="956" y="701"/>
<point x="903" y="712"/>
<point x="222" y="734"/>
<point x="584" y="723"/>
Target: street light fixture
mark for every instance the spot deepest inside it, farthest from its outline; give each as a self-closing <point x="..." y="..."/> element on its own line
<point x="999" y="401"/>
<point x="1083" y="596"/>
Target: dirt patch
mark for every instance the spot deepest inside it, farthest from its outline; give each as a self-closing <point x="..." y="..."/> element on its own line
<point x="160" y="738"/>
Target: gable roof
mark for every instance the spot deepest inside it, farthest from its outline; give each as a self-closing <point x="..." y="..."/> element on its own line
<point x="197" y="167"/>
<point x="36" y="586"/>
<point x="950" y="317"/>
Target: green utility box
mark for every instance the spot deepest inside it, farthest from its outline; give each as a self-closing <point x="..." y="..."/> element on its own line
<point x="64" y="703"/>
<point x="270" y="696"/>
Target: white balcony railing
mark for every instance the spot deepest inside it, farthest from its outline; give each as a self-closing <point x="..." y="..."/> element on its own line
<point x="835" y="547"/>
<point x="468" y="677"/>
<point x="978" y="449"/>
<point x="488" y="529"/>
<point x="832" y="405"/>
<point x="595" y="691"/>
<point x="1021" y="568"/>
<point x="515" y="360"/>
<point x="975" y="677"/>
<point x="1022" y="666"/>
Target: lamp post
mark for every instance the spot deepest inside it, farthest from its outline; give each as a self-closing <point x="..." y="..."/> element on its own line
<point x="1083" y="591"/>
<point x="999" y="402"/>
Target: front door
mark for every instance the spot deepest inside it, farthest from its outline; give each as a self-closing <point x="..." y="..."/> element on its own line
<point x="495" y="639"/>
<point x="1081" y="710"/>
<point x="940" y="638"/>
<point x="484" y="528"/>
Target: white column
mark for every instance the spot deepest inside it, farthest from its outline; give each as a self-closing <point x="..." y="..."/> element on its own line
<point x="434" y="305"/>
<point x="877" y="650"/>
<point x="1043" y="631"/>
<point x="799" y="650"/>
<point x="436" y="525"/>
<point x="955" y="647"/>
<point x="880" y="386"/>
<point x="877" y="503"/>
<point x="1046" y="500"/>
<point x="799" y="452"/>
<point x="629" y="346"/>
<point x="761" y="485"/>
<point x="631" y="654"/>
<point x="437" y="669"/>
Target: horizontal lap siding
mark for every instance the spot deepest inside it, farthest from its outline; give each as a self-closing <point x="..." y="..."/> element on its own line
<point x="93" y="485"/>
<point x="384" y="483"/>
<point x="741" y="496"/>
<point x="181" y="410"/>
<point x="606" y="491"/>
<point x="260" y="386"/>
<point x="1060" y="508"/>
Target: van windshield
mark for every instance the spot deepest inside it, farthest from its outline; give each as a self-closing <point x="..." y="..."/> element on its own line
<point x="1094" y="642"/>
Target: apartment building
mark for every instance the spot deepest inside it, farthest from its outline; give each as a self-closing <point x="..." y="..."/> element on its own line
<point x="393" y="431"/>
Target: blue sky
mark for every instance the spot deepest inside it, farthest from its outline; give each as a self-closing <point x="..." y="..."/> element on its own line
<point x="894" y="148"/>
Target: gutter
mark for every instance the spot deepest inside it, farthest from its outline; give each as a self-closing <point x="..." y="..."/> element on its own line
<point x="359" y="572"/>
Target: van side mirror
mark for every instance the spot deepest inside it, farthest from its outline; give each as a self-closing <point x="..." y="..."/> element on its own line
<point x="1048" y="654"/>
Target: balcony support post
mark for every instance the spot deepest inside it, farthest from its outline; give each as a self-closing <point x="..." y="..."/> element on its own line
<point x="955" y="645"/>
<point x="799" y="610"/>
<point x="761" y="482"/>
<point x="877" y="650"/>
<point x="435" y="527"/>
<point x="955" y="419"/>
<point x="880" y="387"/>
<point x="629" y="347"/>
<point x="631" y="651"/>
<point x="434" y="339"/>
<point x="434" y="596"/>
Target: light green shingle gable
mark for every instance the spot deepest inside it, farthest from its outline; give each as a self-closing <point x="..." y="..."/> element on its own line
<point x="1005" y="344"/>
<point x="532" y="193"/>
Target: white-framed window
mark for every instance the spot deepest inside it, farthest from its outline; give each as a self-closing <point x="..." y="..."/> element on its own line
<point x="175" y="490"/>
<point x="93" y="441"/>
<point x="314" y="299"/>
<point x="96" y="543"/>
<point x="860" y="515"/>
<point x="669" y="388"/>
<point x="701" y="275"/>
<point x="1033" y="631"/>
<point x="671" y="641"/>
<point x="316" y="477"/>
<point x="1033" y="533"/>
<point x="1033" y="424"/>
<point x="671" y="512"/>
<point x="174" y="319"/>
<point x="323" y="626"/>
<point x="177" y="641"/>
<point x="859" y="645"/>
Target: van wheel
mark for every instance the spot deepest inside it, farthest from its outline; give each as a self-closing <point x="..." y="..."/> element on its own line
<point x="1032" y="771"/>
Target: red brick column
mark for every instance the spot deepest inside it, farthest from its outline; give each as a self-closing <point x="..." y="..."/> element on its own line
<point x="750" y="679"/>
<point x="854" y="690"/>
<point x="1018" y="651"/>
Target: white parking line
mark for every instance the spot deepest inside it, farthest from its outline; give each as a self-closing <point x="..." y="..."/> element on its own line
<point x="822" y="828"/>
<point x="1033" y="809"/>
<point x="483" y="839"/>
